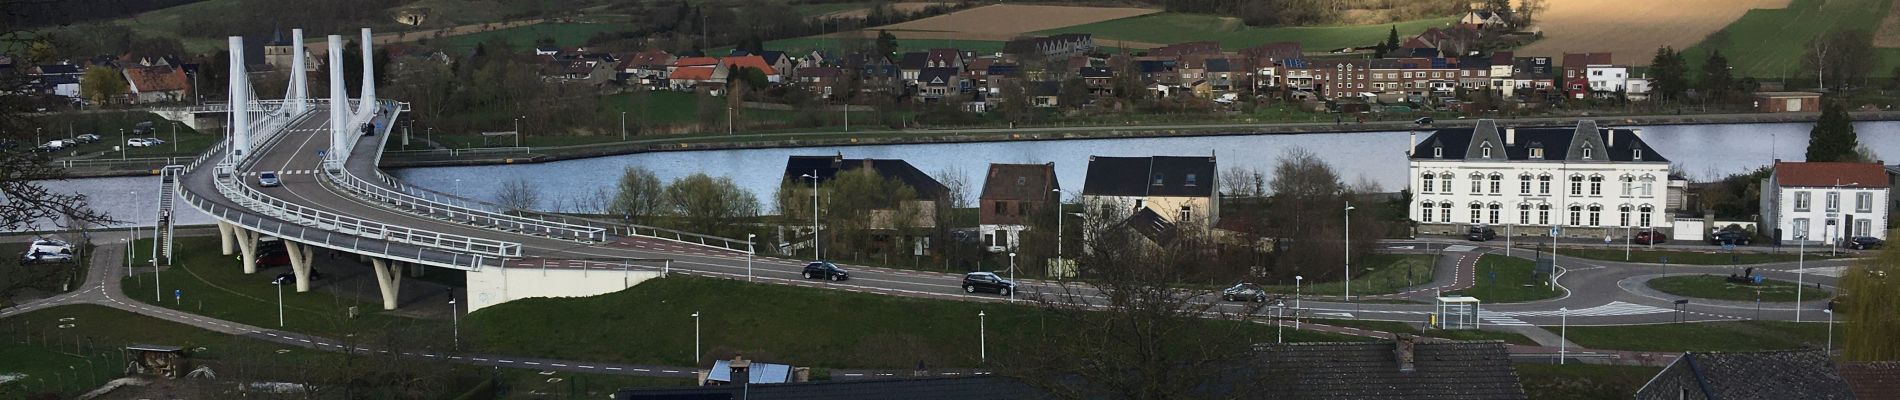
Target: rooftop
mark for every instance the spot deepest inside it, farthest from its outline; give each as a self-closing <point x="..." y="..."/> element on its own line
<point x="1830" y="174"/>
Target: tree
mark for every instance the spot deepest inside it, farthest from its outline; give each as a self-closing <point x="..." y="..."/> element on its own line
<point x="1840" y="57"/>
<point x="1874" y="288"/>
<point x="886" y="43"/>
<point x="1718" y="77"/>
<point x="641" y="195"/>
<point x="1391" y="42"/>
<point x="1833" y="137"/>
<point x="1015" y="100"/>
<point x="102" y="84"/>
<point x="1073" y="94"/>
<point x="710" y="205"/>
<point x="1527" y="11"/>
<point x="1670" y="80"/>
<point x="518" y="195"/>
<point x="1306" y="207"/>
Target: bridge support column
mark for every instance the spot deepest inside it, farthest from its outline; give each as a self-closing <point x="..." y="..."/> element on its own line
<point x="227" y="237"/>
<point x="247" y="244"/>
<point x="300" y="259"/>
<point x="388" y="278"/>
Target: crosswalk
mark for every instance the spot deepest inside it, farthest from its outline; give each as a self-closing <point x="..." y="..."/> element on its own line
<point x="1823" y="271"/>
<point x="1614" y="308"/>
<point x="286" y="172"/>
<point x="1459" y="248"/>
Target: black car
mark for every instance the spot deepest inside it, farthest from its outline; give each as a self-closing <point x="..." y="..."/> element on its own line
<point x="1864" y="242"/>
<point x="987" y="282"/>
<point x="825" y="270"/>
<point x="1481" y="233"/>
<point x="1244" y="292"/>
<point x="1738" y="238"/>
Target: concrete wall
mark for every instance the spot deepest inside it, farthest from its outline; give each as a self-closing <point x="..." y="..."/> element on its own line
<point x="491" y="286"/>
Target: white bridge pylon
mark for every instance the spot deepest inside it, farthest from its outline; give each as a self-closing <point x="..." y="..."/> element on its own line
<point x="253" y="121"/>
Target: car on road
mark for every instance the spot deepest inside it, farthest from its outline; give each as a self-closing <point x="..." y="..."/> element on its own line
<point x="1481" y="233"/>
<point x="155" y="141"/>
<point x="267" y="179"/>
<point x="1244" y="292"/>
<point x="825" y="270"/>
<point x="49" y="245"/>
<point x="86" y="138"/>
<point x="139" y="142"/>
<point x="1738" y="238"/>
<point x="1864" y="242"/>
<point x="987" y="282"/>
<point x="31" y="258"/>
<point x="1650" y="237"/>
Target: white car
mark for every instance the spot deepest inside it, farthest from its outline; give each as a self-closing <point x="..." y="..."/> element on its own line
<point x="138" y="142"/>
<point x="49" y="245"/>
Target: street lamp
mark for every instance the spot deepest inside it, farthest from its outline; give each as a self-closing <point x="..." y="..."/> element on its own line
<point x="124" y="147"/>
<point x="695" y="338"/>
<point x="623" y="126"/>
<point x="518" y="130"/>
<point x="982" y="338"/>
<point x="1563" y="344"/>
<point x="1279" y="321"/>
<point x="1012" y="276"/>
<point x="748" y="255"/>
<point x="1349" y="251"/>
<point x="1296" y="300"/>
<point x="455" y="320"/>
<point x="279" y="282"/>
<point x="1059" y="264"/>
<point x="1800" y="276"/>
<point x="1830" y="329"/>
<point x="814" y="213"/>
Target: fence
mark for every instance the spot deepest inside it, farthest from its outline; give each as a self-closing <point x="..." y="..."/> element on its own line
<point x="334" y="240"/>
<point x="611" y="228"/>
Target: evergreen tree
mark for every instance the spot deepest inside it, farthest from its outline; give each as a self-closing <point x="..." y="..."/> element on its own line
<point x="886" y="43"/>
<point x="1391" y="41"/>
<point x="1833" y="138"/>
<point x="1718" y="78"/>
<point x="1668" y="75"/>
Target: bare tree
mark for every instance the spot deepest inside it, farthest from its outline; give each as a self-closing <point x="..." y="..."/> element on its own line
<point x="641" y="194"/>
<point x="518" y="195"/>
<point x="25" y="201"/>
<point x="1244" y="182"/>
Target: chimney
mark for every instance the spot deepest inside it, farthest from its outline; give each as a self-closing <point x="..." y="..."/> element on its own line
<point x="741" y="371"/>
<point x="1411" y="144"/>
<point x="1611" y="142"/>
<point x="1510" y="136"/>
<point x="1637" y="132"/>
<point x="1403" y="350"/>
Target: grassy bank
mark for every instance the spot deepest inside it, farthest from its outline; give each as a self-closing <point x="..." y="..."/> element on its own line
<point x="72" y="349"/>
<point x="1712" y="256"/>
<point x="1507" y="280"/>
<point x="1405" y="327"/>
<point x="1164" y="28"/>
<point x="1380" y="274"/>
<point x="1769" y="43"/>
<point x="1718" y="287"/>
<point x="216" y="286"/>
<point x="1582" y="381"/>
<point x="1701" y="336"/>
<point x="799" y="326"/>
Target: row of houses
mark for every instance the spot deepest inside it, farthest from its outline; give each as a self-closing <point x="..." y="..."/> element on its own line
<point x="148" y="79"/>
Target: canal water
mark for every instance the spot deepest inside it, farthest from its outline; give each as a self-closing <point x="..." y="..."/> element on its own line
<point x="1703" y="151"/>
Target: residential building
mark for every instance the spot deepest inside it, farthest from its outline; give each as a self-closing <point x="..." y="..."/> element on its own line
<point x="1775" y="102"/>
<point x="822" y="81"/>
<point x="1058" y="46"/>
<point x="1590" y="181"/>
<point x="938" y="83"/>
<point x="1474" y="73"/>
<point x="943" y="58"/>
<point x="1606" y="81"/>
<point x="911" y="64"/>
<point x="1012" y="195"/>
<point x="1178" y="50"/>
<point x="1181" y="190"/>
<point x="728" y="64"/>
<point x="1822" y="202"/>
<point x="1786" y="374"/>
<point x="687" y="72"/>
<point x="1502" y="63"/>
<point x="1485" y="20"/>
<point x="930" y="193"/>
<point x="648" y="68"/>
<point x="1576" y="66"/>
<point x="156" y="84"/>
<point x="1338" y="78"/>
<point x="1101" y="80"/>
<point x="1532" y="76"/>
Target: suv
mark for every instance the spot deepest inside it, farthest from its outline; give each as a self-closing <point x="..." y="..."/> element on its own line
<point x="1864" y="242"/>
<point x="825" y="270"/>
<point x="1650" y="237"/>
<point x="138" y="142"/>
<point x="1244" y="292"/>
<point x="987" y="282"/>
<point x="46" y="245"/>
<point x="45" y="258"/>
<point x="1481" y="233"/>
<point x="1738" y="238"/>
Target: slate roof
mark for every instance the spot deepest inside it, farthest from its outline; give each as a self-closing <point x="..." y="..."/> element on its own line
<point x="1134" y="176"/>
<point x="1096" y="72"/>
<point x="984" y="387"/>
<point x="1273" y="51"/>
<point x="1872" y="380"/>
<point x="938" y="76"/>
<point x="59" y="69"/>
<point x="1441" y="370"/>
<point x="1556" y="142"/>
<point x="1793" y="374"/>
<point x="829" y="167"/>
<point x="1020" y="182"/>
<point x="914" y="60"/>
<point x="1818" y="174"/>
<point x="1218" y="65"/>
<point x="1151" y="225"/>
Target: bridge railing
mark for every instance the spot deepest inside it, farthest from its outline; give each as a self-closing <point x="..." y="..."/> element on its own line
<point x="612" y="228"/>
<point x="334" y="240"/>
<point x="272" y="206"/>
<point x="153" y="161"/>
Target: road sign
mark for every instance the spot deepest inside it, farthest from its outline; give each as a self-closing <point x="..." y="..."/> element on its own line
<point x="178" y="294"/>
<point x="1556" y="230"/>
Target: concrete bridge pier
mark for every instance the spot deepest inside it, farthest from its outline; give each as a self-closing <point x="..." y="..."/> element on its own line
<point x="388" y="278"/>
<point x="300" y="258"/>
<point x="227" y="239"/>
<point x="247" y="245"/>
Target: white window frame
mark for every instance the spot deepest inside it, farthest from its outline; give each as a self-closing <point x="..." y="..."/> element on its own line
<point x="1803" y="200"/>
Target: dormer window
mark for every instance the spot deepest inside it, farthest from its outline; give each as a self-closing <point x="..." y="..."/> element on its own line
<point x="1486" y="151"/>
<point x="1438" y="152"/>
<point x="1636" y="155"/>
<point x="1537" y="153"/>
<point x="1190" y="180"/>
<point x="1157" y="180"/>
<point x="1586" y="152"/>
<point x="1021" y="180"/>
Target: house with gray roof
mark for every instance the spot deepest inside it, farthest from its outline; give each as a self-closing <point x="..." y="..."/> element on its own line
<point x="1790" y="374"/>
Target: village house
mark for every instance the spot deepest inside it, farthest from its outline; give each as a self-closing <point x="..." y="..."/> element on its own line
<point x="938" y="83"/>
<point x="1533" y="76"/>
<point x="1337" y="78"/>
<point x="1058" y="46"/>
<point x="1823" y="203"/>
<point x="1591" y="181"/>
<point x="1502" y="63"/>
<point x="922" y="210"/>
<point x="1576" y="68"/>
<point x="1012" y="194"/>
<point x="1180" y="190"/>
<point x="647" y="68"/>
<point x="156" y="84"/>
<point x="821" y="81"/>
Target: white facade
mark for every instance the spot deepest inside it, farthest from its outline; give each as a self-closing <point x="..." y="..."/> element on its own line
<point x="1826" y="214"/>
<point x="491" y="286"/>
<point x="1001" y="238"/>
<point x="1540" y="193"/>
<point x="1607" y="79"/>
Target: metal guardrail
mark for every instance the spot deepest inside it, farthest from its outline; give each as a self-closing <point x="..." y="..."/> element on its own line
<point x="612" y="228"/>
<point x="274" y="207"/>
<point x="457" y="152"/>
<point x="158" y="161"/>
<point x="326" y="238"/>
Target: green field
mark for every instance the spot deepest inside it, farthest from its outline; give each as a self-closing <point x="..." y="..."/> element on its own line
<point x="214" y="285"/>
<point x="1403" y="327"/>
<point x="1164" y="28"/>
<point x="1701" y="336"/>
<point x="799" y="326"/>
<point x="52" y="347"/>
<point x="565" y="35"/>
<point x="1375" y="275"/>
<point x="1507" y="280"/>
<point x="1770" y="43"/>
<point x="1717" y="287"/>
<point x="1580" y="381"/>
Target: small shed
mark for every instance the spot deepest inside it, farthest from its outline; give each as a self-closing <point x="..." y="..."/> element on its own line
<point x="152" y="359"/>
<point x="1779" y="102"/>
<point x="757" y="372"/>
<point x="1456" y="312"/>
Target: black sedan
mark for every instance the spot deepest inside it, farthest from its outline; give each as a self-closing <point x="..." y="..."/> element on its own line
<point x="1864" y="243"/>
<point x="825" y="270"/>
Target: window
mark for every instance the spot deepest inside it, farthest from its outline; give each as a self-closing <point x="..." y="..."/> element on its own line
<point x="1864" y="202"/>
<point x="1833" y="201"/>
<point x="1445" y="185"/>
<point x="1537" y="153"/>
<point x="1444" y="212"/>
<point x="1486" y="151"/>
<point x="1190" y="180"/>
<point x="1576" y="185"/>
<point x="1524" y="213"/>
<point x="1803" y="201"/>
<point x="1623" y="217"/>
<point x="1596" y="185"/>
<point x="1649" y="185"/>
<point x="1427" y="183"/>
<point x="1637" y="155"/>
<point x="1645" y="214"/>
<point x="1543" y="214"/>
<point x="1576" y="215"/>
<point x="1629" y="184"/>
<point x="1438" y="152"/>
<point x="1543" y="184"/>
<point x="1021" y="180"/>
<point x="1477" y="213"/>
<point x="1497" y="183"/>
<point x="1586" y="152"/>
<point x="1157" y="180"/>
<point x="1477" y="183"/>
<point x="1187" y="213"/>
<point x="1596" y="215"/>
<point x="1001" y="207"/>
<point x="1862" y="226"/>
<point x="1524" y="184"/>
<point x="1801" y="228"/>
<point x="1022" y="208"/>
<point x="1495" y="208"/>
<point x="1425" y="212"/>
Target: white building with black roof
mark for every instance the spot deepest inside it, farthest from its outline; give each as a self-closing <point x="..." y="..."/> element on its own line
<point x="1594" y="182"/>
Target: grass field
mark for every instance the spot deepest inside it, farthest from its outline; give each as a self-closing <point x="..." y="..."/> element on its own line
<point x="1641" y="26"/>
<point x="52" y="347"/>
<point x="1718" y="288"/>
<point x="1770" y="43"/>
<point x="565" y="35"/>
<point x="214" y="285"/>
<point x="1713" y="256"/>
<point x="1389" y="273"/>
<point x="1582" y="381"/>
<point x="1507" y="280"/>
<point x="1005" y="21"/>
<point x="799" y="326"/>
<point x="1701" y="336"/>
<point x="1167" y="28"/>
<point x="1402" y="327"/>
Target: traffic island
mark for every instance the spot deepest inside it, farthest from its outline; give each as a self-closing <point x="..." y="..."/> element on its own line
<point x="1736" y="288"/>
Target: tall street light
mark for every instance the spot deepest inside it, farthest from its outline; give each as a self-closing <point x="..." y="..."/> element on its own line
<point x="748" y="255"/>
<point x="1800" y="276"/>
<point x="1012" y="276"/>
<point x="1348" y="251"/>
<point x="982" y="339"/>
<point x="455" y="320"/>
<point x="695" y="338"/>
<point x="1059" y="215"/>
<point x="623" y="126"/>
<point x="1830" y="329"/>
<point x="1563" y="345"/>
<point x="1296" y="300"/>
<point x="814" y="213"/>
<point x="279" y="282"/>
<point x="518" y="130"/>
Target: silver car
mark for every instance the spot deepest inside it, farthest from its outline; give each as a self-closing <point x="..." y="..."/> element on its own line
<point x="267" y="179"/>
<point x="1244" y="292"/>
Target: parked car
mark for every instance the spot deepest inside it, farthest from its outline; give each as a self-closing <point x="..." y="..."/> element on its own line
<point x="987" y="282"/>
<point x="825" y="270"/>
<point x="49" y="245"/>
<point x="1864" y="242"/>
<point x="138" y="142"/>
<point x="86" y="138"/>
<point x="1738" y="238"/>
<point x="1481" y="233"/>
<point x="1650" y="237"/>
<point x="1244" y="292"/>
<point x="155" y="141"/>
<point x="142" y="128"/>
<point x="272" y="258"/>
<point x="267" y="179"/>
<point x="31" y="258"/>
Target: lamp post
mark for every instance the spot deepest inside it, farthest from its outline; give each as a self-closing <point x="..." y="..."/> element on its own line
<point x="814" y="213"/>
<point x="1629" y="233"/>
<point x="623" y="126"/>
<point x="455" y="320"/>
<point x="1279" y="322"/>
<point x="982" y="339"/>
<point x="1800" y="277"/>
<point x="279" y="282"/>
<point x="518" y="130"/>
<point x="1509" y="231"/>
<point x="1348" y="252"/>
<point x="1012" y="276"/>
<point x="748" y="255"/>
<point x="1059" y="212"/>
<point x="1830" y="329"/>
<point x="695" y="338"/>
<point x="1296" y="300"/>
<point x="124" y="147"/>
<point x="174" y="136"/>
<point x="1563" y="345"/>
